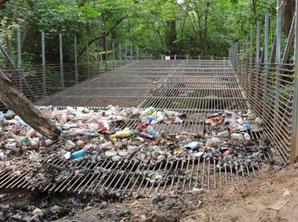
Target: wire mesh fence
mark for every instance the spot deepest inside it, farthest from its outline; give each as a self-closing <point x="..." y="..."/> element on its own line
<point x="269" y="89"/>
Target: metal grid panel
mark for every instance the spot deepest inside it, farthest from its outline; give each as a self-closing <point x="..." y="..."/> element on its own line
<point x="186" y="84"/>
<point x="270" y="92"/>
<point x="196" y="88"/>
<point x="132" y="176"/>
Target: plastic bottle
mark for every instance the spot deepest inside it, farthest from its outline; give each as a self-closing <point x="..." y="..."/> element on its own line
<point x="9" y="115"/>
<point x="1" y="117"/>
<point x="78" y="154"/>
<point x="247" y="126"/>
<point x="192" y="145"/>
<point x="123" y="134"/>
<point x="246" y="136"/>
<point x="151" y="130"/>
<point x="151" y="118"/>
<point x="146" y="136"/>
<point x="21" y="123"/>
<point x="149" y="111"/>
<point x="236" y="136"/>
<point x="223" y="134"/>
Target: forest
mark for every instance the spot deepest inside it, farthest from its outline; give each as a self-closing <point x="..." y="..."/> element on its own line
<point x="155" y="27"/>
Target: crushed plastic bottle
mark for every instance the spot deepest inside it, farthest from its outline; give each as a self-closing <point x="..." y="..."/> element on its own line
<point x="9" y="115"/>
<point x="213" y="142"/>
<point x="2" y="156"/>
<point x="106" y="146"/>
<point x="236" y="136"/>
<point x="104" y="126"/>
<point x="246" y="136"/>
<point x="192" y="145"/>
<point x="78" y="154"/>
<point x="152" y="131"/>
<point x="148" y="112"/>
<point x="1" y="117"/>
<point x="223" y="134"/>
<point x="69" y="145"/>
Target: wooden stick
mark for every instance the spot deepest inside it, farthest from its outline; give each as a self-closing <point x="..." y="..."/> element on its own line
<point x="16" y="101"/>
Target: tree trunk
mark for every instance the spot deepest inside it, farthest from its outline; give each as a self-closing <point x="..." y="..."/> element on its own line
<point x="171" y="37"/>
<point x="206" y="28"/>
<point x="254" y="10"/>
<point x="289" y="13"/>
<point x="17" y="102"/>
<point x="2" y="4"/>
<point x="290" y="41"/>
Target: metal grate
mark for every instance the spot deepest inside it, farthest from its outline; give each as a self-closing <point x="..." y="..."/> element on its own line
<point x="195" y="87"/>
<point x="132" y="176"/>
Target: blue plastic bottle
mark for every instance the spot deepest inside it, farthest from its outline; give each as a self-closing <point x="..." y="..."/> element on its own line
<point x="78" y="154"/>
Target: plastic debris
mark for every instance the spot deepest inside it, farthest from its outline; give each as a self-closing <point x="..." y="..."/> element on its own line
<point x="2" y="156"/>
<point x="236" y="136"/>
<point x="192" y="145"/>
<point x="37" y="214"/>
<point x="110" y="134"/>
<point x="152" y="131"/>
<point x="213" y="142"/>
<point x="67" y="155"/>
<point x="78" y="154"/>
<point x="9" y="115"/>
<point x="223" y="134"/>
<point x="69" y="145"/>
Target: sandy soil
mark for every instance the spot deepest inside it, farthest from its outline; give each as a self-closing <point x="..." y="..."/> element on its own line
<point x="245" y="200"/>
<point x="253" y="199"/>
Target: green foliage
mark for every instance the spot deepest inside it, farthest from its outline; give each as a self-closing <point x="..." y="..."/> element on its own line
<point x="154" y="26"/>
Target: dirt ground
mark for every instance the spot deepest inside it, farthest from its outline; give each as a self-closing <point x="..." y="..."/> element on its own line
<point x="272" y="196"/>
<point x="244" y="200"/>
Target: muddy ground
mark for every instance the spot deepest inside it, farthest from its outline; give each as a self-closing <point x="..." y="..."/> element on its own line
<point x="244" y="200"/>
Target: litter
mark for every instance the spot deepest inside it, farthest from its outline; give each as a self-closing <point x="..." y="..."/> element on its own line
<point x="105" y="134"/>
<point x="192" y="145"/>
<point x="78" y="154"/>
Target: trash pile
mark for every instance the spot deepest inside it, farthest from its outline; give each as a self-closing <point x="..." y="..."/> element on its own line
<point x="101" y="134"/>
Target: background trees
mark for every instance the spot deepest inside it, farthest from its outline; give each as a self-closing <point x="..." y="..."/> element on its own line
<point x="193" y="27"/>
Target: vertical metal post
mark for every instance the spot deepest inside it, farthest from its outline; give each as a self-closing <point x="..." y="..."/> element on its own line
<point x="88" y="60"/>
<point x="266" y="57"/>
<point x="137" y="53"/>
<point x="76" y="58"/>
<point x="106" y="53"/>
<point x="212" y="57"/>
<point x="187" y="57"/>
<point x="251" y="46"/>
<point x="230" y="55"/>
<point x="278" y="59"/>
<point x="19" y="48"/>
<point x="258" y="40"/>
<point x="236" y="53"/>
<point x="97" y="56"/>
<point x="19" y="57"/>
<point x="131" y="52"/>
<point x="113" y="49"/>
<point x="125" y="51"/>
<point x="43" y="62"/>
<point x="61" y="60"/>
<point x="120" y="52"/>
<point x="175" y="57"/>
<point x="294" y="137"/>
